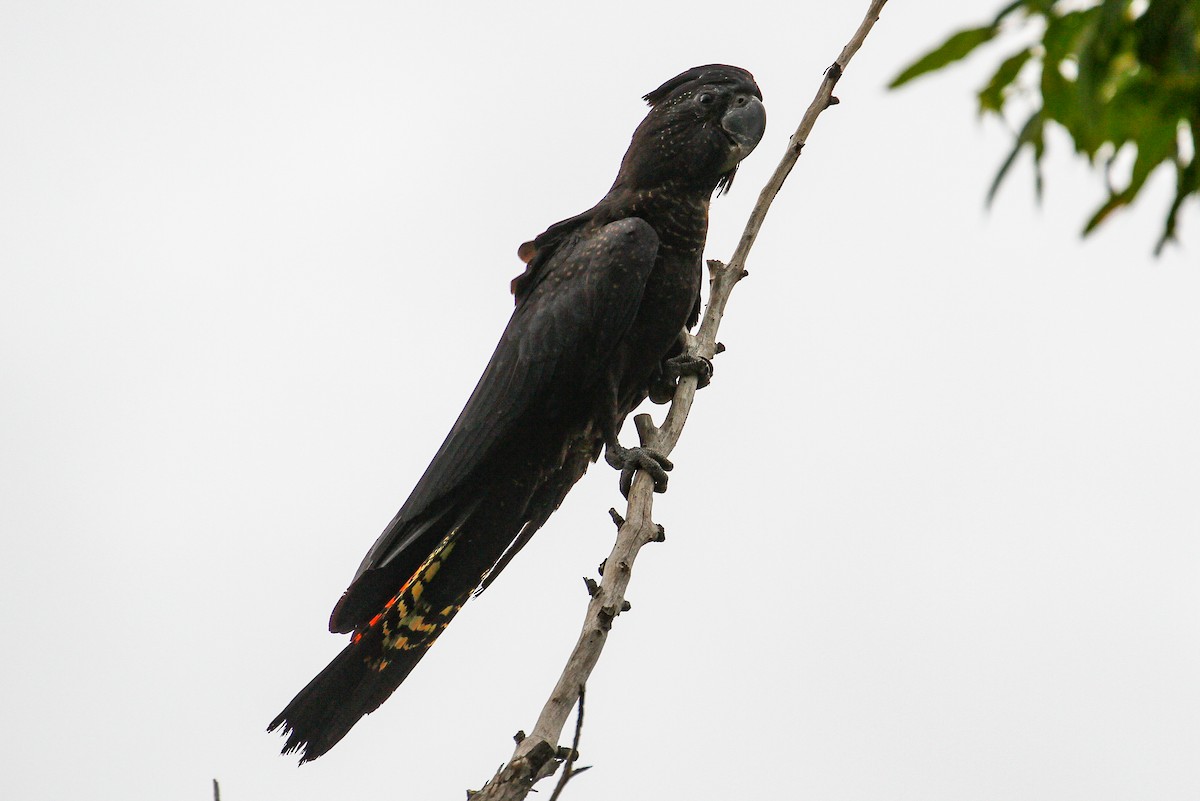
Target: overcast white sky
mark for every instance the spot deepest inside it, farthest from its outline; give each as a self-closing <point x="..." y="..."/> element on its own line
<point x="933" y="532"/>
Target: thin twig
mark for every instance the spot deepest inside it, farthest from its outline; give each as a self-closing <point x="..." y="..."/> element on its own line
<point x="535" y="756"/>
<point x="569" y="770"/>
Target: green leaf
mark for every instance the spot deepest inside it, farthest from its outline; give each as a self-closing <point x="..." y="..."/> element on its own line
<point x="1070" y="102"/>
<point x="1031" y="134"/>
<point x="1114" y="202"/>
<point x="1061" y="38"/>
<point x="1166" y="36"/>
<point x="1010" y="8"/>
<point x="1112" y="73"/>
<point x="953" y="49"/>
<point x="1187" y="182"/>
<point x="1156" y="146"/>
<point x="991" y="97"/>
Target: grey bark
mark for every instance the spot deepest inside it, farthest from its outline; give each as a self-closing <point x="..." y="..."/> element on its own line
<point x="536" y="755"/>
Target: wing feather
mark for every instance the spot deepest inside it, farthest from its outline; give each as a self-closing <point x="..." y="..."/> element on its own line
<point x="556" y="344"/>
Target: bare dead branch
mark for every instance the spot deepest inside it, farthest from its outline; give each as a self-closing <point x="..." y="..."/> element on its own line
<point x="535" y="756"/>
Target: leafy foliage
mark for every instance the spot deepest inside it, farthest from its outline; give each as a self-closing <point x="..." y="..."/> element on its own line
<point x="1117" y="75"/>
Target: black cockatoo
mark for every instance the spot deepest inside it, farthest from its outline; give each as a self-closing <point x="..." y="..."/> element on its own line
<point x="599" y="311"/>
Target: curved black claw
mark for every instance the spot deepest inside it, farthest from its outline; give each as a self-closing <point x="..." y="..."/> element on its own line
<point x="630" y="460"/>
<point x="673" y="369"/>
